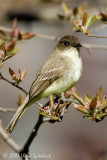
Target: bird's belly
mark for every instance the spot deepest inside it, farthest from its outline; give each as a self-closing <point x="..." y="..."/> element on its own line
<point x="61" y="85"/>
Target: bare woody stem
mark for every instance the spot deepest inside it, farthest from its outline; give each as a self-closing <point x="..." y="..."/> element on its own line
<point x="9" y="140"/>
<point x="9" y="30"/>
<point x="7" y="109"/>
<point x="91" y="35"/>
<point x="92" y="46"/>
<point x="25" y="150"/>
<point x="13" y="84"/>
<point x="33" y="134"/>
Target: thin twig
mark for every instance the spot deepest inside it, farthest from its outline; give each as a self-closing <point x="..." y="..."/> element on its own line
<point x="70" y="100"/>
<point x="50" y="37"/>
<point x="93" y="46"/>
<point x="9" y="140"/>
<point x="91" y="35"/>
<point x="13" y="84"/>
<point x="8" y="109"/>
<point x="47" y="37"/>
<point x="97" y="28"/>
<point x="9" y="30"/>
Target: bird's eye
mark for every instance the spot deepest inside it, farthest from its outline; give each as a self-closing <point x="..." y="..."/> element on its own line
<point x="66" y="43"/>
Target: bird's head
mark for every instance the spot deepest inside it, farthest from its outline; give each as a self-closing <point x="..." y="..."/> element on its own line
<point x="67" y="42"/>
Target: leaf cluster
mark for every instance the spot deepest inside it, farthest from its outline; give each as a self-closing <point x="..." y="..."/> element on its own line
<point x="92" y="108"/>
<point x="79" y="17"/>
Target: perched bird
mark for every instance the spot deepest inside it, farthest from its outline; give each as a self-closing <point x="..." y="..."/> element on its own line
<point x="60" y="72"/>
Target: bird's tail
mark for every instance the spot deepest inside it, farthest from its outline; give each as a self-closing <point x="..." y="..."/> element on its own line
<point x="17" y="115"/>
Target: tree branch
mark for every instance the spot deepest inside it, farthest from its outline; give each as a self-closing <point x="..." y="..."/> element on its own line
<point x="47" y="37"/>
<point x="9" y="140"/>
<point x="89" y="46"/>
<point x="97" y="28"/>
<point x="25" y="150"/>
<point x="13" y="84"/>
<point x="34" y="131"/>
<point x="9" y="30"/>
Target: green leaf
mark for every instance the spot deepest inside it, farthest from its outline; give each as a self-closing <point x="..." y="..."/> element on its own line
<point x="1" y="64"/>
<point x="2" y="45"/>
<point x="100" y="115"/>
<point x="97" y="98"/>
<point x="87" y="116"/>
<point x="77" y="28"/>
<point x="46" y="115"/>
<point x="66" y="9"/>
<point x="88" y="98"/>
<point x="78" y="97"/>
<point x="99" y="94"/>
<point x="12" y="53"/>
<point x="81" y="109"/>
<point x="90" y="21"/>
<point x="103" y="104"/>
<point x="63" y="105"/>
<point x="103" y="17"/>
<point x="97" y="17"/>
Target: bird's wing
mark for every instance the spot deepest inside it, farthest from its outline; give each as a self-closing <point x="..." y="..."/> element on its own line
<point x="47" y="74"/>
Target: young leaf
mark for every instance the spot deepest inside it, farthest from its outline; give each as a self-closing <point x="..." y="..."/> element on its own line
<point x="63" y="105"/>
<point x="11" y="72"/>
<point x="93" y="103"/>
<point x="103" y="16"/>
<point x="81" y="108"/>
<point x="12" y="53"/>
<point x="66" y="9"/>
<point x="23" y="74"/>
<point x="103" y="104"/>
<point x="84" y="19"/>
<point x="99" y="94"/>
<point x="79" y="98"/>
<point x="10" y="46"/>
<point x="20" y="100"/>
<point x="2" y="32"/>
<point x="100" y="115"/>
<point x="27" y="35"/>
<point x="2" y="45"/>
<point x="88" y="98"/>
<point x="1" y="64"/>
<point x="90" y="21"/>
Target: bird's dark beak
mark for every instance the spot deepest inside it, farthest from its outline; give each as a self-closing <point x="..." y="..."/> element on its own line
<point x="79" y="45"/>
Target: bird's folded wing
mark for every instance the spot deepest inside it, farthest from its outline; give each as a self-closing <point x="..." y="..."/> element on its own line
<point x="47" y="74"/>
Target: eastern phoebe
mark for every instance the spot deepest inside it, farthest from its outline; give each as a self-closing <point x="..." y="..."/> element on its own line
<point x="60" y="72"/>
